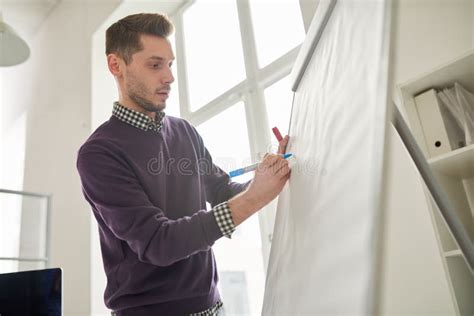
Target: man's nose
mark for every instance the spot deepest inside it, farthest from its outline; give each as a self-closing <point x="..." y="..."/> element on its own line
<point x="168" y="77"/>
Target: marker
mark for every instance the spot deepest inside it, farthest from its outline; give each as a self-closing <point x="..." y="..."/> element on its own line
<point x="241" y="171"/>
<point x="277" y="134"/>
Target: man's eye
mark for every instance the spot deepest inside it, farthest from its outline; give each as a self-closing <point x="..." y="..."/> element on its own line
<point x="156" y="66"/>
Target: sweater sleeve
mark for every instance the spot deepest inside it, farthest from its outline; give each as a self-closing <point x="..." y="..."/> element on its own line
<point x="115" y="193"/>
<point x="219" y="187"/>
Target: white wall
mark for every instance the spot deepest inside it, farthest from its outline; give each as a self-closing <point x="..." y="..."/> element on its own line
<point x="54" y="89"/>
<point x="430" y="33"/>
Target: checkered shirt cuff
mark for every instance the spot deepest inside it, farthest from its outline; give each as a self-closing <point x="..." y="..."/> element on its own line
<point x="224" y="219"/>
<point x="212" y="311"/>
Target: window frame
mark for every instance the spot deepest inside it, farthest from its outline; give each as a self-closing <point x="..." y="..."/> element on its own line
<point x="250" y="91"/>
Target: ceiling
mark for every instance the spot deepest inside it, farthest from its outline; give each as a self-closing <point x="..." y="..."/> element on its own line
<point x="26" y="16"/>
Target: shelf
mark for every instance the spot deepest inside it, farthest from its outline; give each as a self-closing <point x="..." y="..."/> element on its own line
<point x="453" y="253"/>
<point x="457" y="163"/>
<point x="460" y="70"/>
<point x="463" y="284"/>
<point x="454" y="172"/>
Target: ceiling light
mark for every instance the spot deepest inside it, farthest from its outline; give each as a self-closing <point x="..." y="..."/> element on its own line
<point x="13" y="49"/>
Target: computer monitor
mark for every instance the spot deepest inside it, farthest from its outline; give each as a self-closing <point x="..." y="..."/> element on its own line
<point x="26" y="293"/>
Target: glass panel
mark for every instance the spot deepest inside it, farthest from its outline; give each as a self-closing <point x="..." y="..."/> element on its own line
<point x="23" y="221"/>
<point x="240" y="259"/>
<point x="172" y="104"/>
<point x="33" y="227"/>
<point x="9" y="266"/>
<point x="234" y="289"/>
<point x="10" y="226"/>
<point x="278" y="26"/>
<point x="232" y="151"/>
<point x="2" y="148"/>
<point x="278" y="99"/>
<point x="214" y="54"/>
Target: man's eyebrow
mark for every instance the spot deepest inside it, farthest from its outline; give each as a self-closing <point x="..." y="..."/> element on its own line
<point x="159" y="58"/>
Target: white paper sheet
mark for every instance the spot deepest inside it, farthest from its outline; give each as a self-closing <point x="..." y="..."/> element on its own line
<point x="322" y="256"/>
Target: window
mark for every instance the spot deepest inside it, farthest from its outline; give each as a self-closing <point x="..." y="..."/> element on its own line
<point x="23" y="233"/>
<point x="214" y="65"/>
<point x="239" y="260"/>
<point x="230" y="127"/>
<point x="278" y="28"/>
<point x="12" y="141"/>
<point x="214" y="54"/>
<point x="172" y="104"/>
<point x="10" y="223"/>
<point x="233" y="150"/>
<point x="279" y="99"/>
<point x="2" y="148"/>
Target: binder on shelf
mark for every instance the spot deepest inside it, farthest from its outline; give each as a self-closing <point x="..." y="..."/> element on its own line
<point x="440" y="130"/>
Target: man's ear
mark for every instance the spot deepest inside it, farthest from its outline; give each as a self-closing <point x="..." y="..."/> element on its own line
<point x="115" y="65"/>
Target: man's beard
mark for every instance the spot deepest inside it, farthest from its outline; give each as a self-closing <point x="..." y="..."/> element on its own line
<point x="144" y="103"/>
<point x="137" y="92"/>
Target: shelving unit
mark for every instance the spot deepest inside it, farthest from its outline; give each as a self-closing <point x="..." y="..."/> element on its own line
<point x="453" y="253"/>
<point x="457" y="163"/>
<point x="455" y="173"/>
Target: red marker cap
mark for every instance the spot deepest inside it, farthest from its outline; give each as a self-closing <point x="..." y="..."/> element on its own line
<point x="277" y="134"/>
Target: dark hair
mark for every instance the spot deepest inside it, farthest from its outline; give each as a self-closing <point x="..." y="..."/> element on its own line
<point x="123" y="37"/>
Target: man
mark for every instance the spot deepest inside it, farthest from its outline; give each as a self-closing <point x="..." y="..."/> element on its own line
<point x="148" y="176"/>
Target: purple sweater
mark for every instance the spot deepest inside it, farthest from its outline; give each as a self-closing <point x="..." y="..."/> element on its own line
<point x="148" y="192"/>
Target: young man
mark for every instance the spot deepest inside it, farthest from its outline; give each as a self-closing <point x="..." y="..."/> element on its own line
<point x="148" y="176"/>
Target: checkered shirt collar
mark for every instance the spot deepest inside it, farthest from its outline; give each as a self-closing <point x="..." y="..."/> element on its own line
<point x="137" y="119"/>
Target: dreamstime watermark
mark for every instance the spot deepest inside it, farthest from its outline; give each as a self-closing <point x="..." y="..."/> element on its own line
<point x="185" y="166"/>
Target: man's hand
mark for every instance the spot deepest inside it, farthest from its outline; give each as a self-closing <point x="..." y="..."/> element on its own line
<point x="282" y="145"/>
<point x="270" y="178"/>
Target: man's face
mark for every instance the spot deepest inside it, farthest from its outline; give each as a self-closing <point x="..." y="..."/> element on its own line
<point x="148" y="77"/>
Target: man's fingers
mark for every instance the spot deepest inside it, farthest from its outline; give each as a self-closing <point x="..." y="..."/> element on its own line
<point x="281" y="149"/>
<point x="271" y="159"/>
<point x="280" y="167"/>
<point x="274" y="161"/>
<point x="283" y="169"/>
<point x="282" y="145"/>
